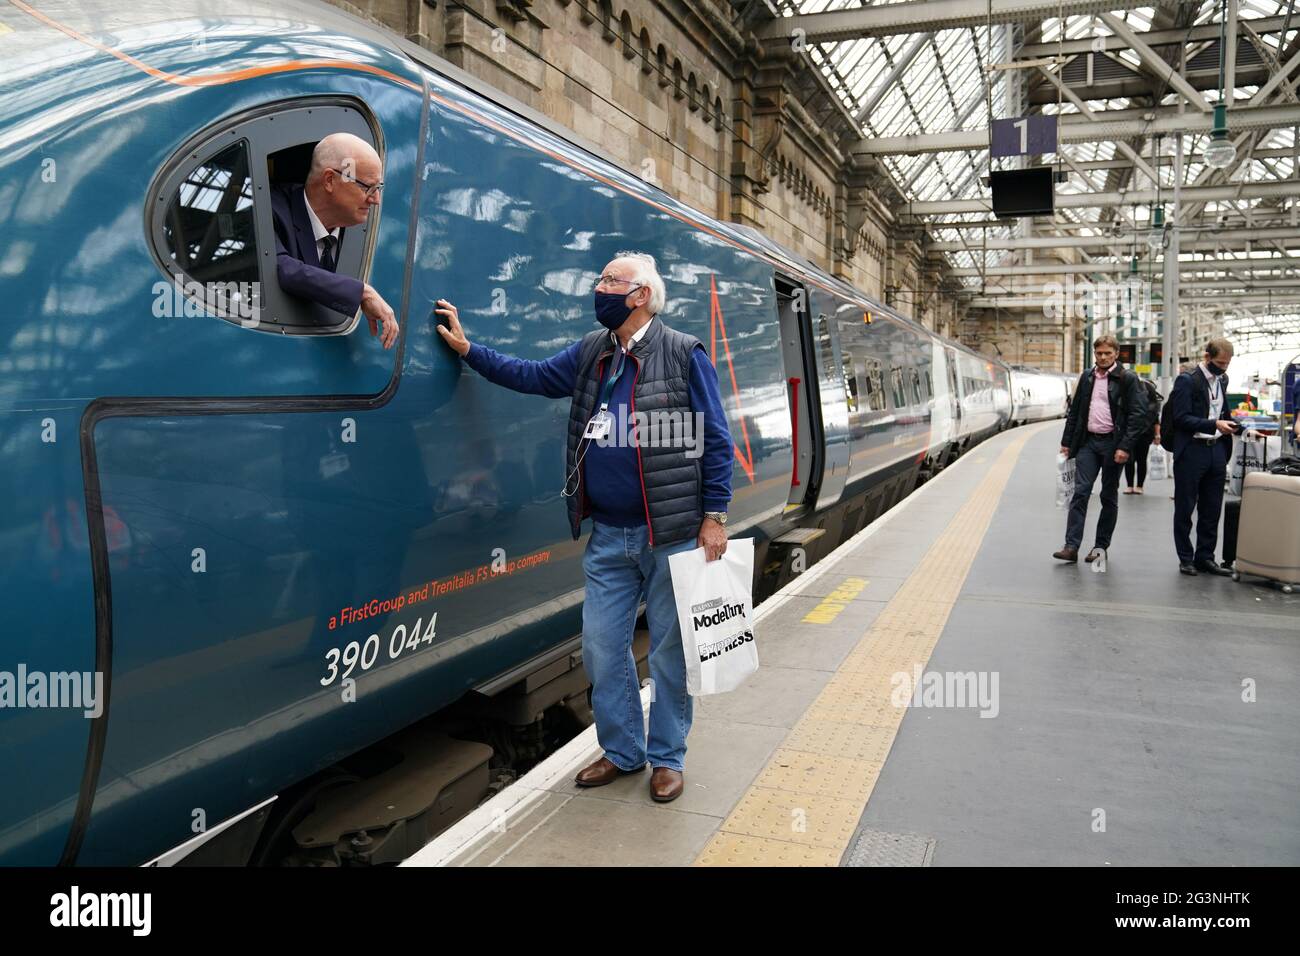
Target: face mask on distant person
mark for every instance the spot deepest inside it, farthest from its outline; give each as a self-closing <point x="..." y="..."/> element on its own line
<point x="612" y="309"/>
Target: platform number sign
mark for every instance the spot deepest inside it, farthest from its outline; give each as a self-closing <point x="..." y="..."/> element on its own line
<point x="1023" y="136"/>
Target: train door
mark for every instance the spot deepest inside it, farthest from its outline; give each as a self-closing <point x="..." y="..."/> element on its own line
<point x="954" y="388"/>
<point x="805" y="422"/>
<point x="832" y="375"/>
<point x="943" y="421"/>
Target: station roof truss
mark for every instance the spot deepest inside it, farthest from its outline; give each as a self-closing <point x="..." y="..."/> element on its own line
<point x="923" y="82"/>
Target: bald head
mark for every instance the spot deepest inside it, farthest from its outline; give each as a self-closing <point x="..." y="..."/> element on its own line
<point x="343" y="168"/>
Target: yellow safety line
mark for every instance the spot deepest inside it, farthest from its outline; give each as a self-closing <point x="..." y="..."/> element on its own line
<point x="803" y="808"/>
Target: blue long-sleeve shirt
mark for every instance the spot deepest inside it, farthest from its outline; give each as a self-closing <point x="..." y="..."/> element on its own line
<point x="611" y="471"/>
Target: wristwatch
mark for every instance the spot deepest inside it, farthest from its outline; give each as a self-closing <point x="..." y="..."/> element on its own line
<point x="719" y="516"/>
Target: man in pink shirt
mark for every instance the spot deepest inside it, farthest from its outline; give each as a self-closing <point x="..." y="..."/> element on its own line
<point x="1105" y="421"/>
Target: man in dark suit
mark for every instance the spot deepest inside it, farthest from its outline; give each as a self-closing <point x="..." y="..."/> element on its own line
<point x="1203" y="427"/>
<point x="1100" y="433"/>
<point x="344" y="182"/>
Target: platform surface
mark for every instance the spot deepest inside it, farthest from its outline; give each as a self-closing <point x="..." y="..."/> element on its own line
<point x="1063" y="717"/>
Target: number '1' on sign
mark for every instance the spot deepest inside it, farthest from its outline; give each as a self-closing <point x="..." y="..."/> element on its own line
<point x="1023" y="136"/>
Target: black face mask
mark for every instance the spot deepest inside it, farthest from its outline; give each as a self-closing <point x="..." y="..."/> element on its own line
<point x="1216" y="369"/>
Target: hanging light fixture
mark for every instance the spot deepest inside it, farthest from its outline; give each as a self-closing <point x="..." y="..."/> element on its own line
<point x="1220" y="151"/>
<point x="1156" y="234"/>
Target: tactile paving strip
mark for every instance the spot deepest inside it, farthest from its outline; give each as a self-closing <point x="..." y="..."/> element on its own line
<point x="804" y="807"/>
<point x="733" y="849"/>
<point x="821" y="821"/>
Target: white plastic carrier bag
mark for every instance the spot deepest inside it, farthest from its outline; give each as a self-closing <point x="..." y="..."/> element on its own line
<point x="1064" y="480"/>
<point x="1250" y="452"/>
<point x="1157" y="463"/>
<point x="715" y="610"/>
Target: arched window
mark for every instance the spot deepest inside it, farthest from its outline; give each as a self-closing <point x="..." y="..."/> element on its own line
<point x="211" y="228"/>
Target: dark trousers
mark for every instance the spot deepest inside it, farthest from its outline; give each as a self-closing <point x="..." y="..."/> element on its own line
<point x="1199" y="473"/>
<point x="1097" y="454"/>
<point x="1139" y="460"/>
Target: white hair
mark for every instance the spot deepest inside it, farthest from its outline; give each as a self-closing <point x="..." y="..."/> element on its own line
<point x="647" y="274"/>
<point x="335" y="151"/>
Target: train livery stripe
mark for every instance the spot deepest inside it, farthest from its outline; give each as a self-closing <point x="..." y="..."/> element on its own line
<point x="209" y="79"/>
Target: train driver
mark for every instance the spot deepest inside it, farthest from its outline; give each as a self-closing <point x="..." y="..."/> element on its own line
<point x="345" y="180"/>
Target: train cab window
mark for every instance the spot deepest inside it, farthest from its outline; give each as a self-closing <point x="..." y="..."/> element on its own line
<point x="915" y="376"/>
<point x="212" y="229"/>
<point x="929" y="386"/>
<point x="209" y="232"/>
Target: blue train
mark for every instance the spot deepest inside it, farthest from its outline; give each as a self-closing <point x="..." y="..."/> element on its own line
<point x="244" y="548"/>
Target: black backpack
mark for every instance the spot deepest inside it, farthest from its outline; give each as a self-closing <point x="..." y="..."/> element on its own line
<point x="1154" y="399"/>
<point x="1167" y="414"/>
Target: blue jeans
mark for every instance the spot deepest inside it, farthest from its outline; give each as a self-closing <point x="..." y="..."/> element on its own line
<point x="619" y="566"/>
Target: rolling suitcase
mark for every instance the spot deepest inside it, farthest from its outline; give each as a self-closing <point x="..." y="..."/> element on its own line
<point x="1231" y="523"/>
<point x="1268" y="536"/>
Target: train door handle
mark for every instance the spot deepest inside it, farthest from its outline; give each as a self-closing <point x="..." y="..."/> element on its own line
<point x="794" y="429"/>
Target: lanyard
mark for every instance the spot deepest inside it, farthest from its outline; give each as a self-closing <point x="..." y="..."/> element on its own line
<point x="1215" y="388"/>
<point x="608" y="392"/>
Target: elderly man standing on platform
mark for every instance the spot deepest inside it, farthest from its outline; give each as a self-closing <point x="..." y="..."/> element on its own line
<point x="649" y="496"/>
<point x="1104" y="423"/>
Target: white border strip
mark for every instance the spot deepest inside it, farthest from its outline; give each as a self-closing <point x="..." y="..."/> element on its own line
<point x="497" y="815"/>
<point x="178" y="853"/>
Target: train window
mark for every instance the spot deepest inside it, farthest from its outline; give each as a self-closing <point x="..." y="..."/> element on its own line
<point x="875" y="387"/>
<point x="867" y="389"/>
<point x="929" y="385"/>
<point x="896" y="385"/>
<point x="915" y="376"/>
<point x="850" y="371"/>
<point x="212" y="228"/>
<point x="209" y="231"/>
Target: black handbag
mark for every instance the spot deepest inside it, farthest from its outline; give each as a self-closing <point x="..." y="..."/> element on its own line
<point x="1284" y="465"/>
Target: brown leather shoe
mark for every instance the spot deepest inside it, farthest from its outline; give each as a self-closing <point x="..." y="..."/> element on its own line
<point x="665" y="784"/>
<point x="601" y="772"/>
<point x="1067" y="554"/>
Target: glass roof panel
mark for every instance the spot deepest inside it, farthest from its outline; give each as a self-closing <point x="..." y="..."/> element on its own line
<point x="942" y="86"/>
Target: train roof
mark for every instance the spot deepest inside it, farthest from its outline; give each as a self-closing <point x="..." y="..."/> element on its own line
<point x="305" y="26"/>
